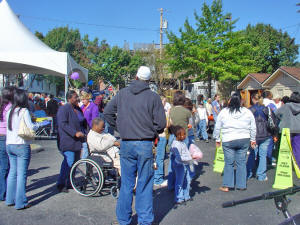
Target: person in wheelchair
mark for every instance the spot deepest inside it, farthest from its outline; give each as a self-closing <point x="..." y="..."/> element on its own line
<point x="104" y="144"/>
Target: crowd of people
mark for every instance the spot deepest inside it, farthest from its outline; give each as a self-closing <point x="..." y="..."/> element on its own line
<point x="144" y="120"/>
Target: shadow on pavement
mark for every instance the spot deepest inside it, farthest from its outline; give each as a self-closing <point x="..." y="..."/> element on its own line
<point x="163" y="201"/>
<point x="35" y="171"/>
<point x="45" y="194"/>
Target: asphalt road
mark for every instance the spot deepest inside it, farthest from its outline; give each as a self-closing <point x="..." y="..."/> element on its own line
<point x="50" y="207"/>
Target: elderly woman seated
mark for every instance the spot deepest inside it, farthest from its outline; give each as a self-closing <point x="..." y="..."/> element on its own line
<point x="103" y="143"/>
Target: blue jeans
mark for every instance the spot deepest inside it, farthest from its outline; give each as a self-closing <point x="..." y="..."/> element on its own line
<point x="270" y="149"/>
<point x="182" y="182"/>
<point x="4" y="167"/>
<point x="191" y="140"/>
<point x="235" y="152"/>
<point x="85" y="151"/>
<point x="19" y="159"/>
<point x="136" y="158"/>
<point x="160" y="156"/>
<point x="261" y="150"/>
<point x="69" y="159"/>
<point x="202" y="130"/>
<point x="171" y="171"/>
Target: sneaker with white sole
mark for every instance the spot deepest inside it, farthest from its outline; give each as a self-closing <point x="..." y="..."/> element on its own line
<point x="163" y="184"/>
<point x="266" y="179"/>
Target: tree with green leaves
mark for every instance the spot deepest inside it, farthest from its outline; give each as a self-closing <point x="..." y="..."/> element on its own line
<point x="114" y="65"/>
<point x="118" y="66"/>
<point x="274" y="47"/>
<point x="211" y="50"/>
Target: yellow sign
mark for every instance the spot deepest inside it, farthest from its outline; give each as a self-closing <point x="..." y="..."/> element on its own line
<point x="219" y="160"/>
<point x="284" y="175"/>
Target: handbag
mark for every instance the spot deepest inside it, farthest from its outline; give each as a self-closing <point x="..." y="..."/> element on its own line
<point x="24" y="131"/>
<point x="270" y="123"/>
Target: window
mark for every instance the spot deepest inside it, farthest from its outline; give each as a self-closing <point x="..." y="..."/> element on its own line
<point x="280" y="92"/>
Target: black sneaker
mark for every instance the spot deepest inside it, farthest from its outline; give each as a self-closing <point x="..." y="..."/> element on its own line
<point x="62" y="188"/>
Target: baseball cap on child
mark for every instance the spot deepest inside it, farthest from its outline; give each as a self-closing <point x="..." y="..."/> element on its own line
<point x="144" y="73"/>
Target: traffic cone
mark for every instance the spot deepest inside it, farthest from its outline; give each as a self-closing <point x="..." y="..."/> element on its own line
<point x="284" y="175"/>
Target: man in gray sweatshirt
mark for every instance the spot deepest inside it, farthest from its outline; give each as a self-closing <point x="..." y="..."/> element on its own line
<point x="139" y="116"/>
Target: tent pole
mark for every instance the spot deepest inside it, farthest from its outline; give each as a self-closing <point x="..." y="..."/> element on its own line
<point x="66" y="87"/>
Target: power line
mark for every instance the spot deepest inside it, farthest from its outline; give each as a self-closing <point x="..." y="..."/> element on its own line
<point x="290" y="26"/>
<point x="89" y="24"/>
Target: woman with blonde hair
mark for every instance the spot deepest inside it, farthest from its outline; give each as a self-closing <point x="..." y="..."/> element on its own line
<point x="90" y="112"/>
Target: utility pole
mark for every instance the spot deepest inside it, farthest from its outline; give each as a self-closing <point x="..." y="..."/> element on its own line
<point x="298" y="4"/>
<point x="161" y="32"/>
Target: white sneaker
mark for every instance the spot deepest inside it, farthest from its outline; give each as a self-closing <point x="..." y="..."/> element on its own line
<point x="266" y="179"/>
<point x="164" y="183"/>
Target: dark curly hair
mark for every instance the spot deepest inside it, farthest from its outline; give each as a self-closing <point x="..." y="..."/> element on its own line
<point x="179" y="98"/>
<point x="7" y="96"/>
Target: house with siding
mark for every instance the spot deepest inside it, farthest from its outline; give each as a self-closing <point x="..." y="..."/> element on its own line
<point x="29" y="83"/>
<point x="252" y="84"/>
<point x="282" y="82"/>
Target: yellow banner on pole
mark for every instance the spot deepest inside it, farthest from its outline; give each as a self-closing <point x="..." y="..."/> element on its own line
<point x="219" y="160"/>
<point x="284" y="174"/>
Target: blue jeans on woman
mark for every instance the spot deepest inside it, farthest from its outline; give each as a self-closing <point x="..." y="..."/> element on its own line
<point x="19" y="159"/>
<point x="202" y="130"/>
<point x="261" y="151"/>
<point x="235" y="152"/>
<point x="69" y="159"/>
<point x="136" y="159"/>
<point x="160" y="156"/>
<point x="4" y="167"/>
<point x="182" y="182"/>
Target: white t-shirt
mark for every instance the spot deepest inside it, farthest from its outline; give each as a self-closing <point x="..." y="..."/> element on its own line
<point x="167" y="107"/>
<point x="12" y="136"/>
<point x="202" y="113"/>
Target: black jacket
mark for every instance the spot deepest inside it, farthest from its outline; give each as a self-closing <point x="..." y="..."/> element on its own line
<point x="136" y="112"/>
<point x="68" y="125"/>
<point x="52" y="107"/>
<point x="260" y="113"/>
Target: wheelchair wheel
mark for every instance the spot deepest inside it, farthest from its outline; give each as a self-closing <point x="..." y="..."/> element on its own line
<point x="86" y="177"/>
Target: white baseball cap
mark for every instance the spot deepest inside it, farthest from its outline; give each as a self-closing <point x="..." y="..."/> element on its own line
<point x="144" y="73"/>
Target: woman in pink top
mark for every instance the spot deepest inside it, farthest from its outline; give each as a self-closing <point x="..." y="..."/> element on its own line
<point x="5" y="104"/>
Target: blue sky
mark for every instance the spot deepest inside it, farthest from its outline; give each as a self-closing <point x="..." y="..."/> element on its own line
<point x="145" y="16"/>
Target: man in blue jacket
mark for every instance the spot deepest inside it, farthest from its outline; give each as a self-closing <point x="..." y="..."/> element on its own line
<point x="139" y="116"/>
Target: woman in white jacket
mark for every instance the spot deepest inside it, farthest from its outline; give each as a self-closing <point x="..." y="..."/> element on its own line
<point x="238" y="128"/>
<point x="18" y="150"/>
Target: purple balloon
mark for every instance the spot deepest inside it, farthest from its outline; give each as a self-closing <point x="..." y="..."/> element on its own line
<point x="75" y="76"/>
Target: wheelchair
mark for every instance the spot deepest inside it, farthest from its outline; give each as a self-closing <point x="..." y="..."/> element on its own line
<point x="94" y="176"/>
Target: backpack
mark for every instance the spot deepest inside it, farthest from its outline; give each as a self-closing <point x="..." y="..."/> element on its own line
<point x="261" y="119"/>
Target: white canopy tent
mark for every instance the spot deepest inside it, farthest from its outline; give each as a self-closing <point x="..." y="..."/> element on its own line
<point x="22" y="52"/>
